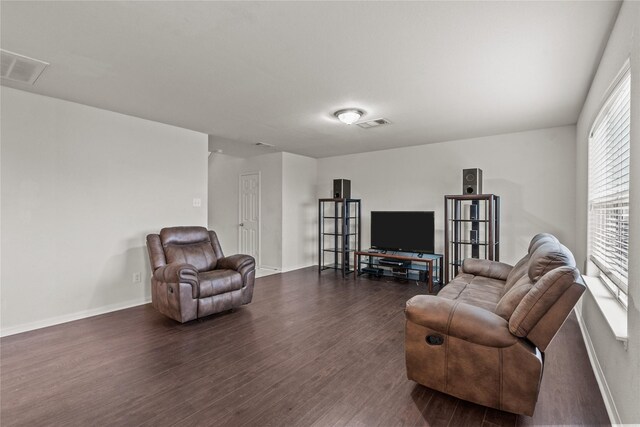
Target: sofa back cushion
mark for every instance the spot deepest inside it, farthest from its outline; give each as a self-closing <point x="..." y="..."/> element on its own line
<point x="540" y="239"/>
<point x="549" y="256"/>
<point x="519" y="271"/>
<point x="545" y="254"/>
<point x="522" y="267"/>
<point x="190" y="245"/>
<point x="547" y="305"/>
<point x="510" y="300"/>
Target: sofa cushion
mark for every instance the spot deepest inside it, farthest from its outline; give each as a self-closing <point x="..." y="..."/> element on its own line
<point x="521" y="268"/>
<point x="217" y="282"/>
<point x="545" y="254"/>
<point x="478" y="299"/>
<point x="548" y="256"/>
<point x="475" y="290"/>
<point x="519" y="271"/>
<point x="513" y="296"/>
<point x="542" y="296"/>
<point x="539" y="239"/>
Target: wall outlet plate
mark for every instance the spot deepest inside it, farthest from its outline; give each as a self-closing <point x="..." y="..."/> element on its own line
<point x="137" y="277"/>
<point x="197" y="202"/>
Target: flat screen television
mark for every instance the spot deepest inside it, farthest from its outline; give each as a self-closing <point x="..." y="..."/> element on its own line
<point x="409" y="231"/>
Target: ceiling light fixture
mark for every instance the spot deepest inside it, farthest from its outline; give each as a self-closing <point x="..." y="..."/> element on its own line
<point x="349" y="116"/>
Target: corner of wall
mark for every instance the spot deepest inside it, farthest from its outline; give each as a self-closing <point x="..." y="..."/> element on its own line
<point x="298" y="211"/>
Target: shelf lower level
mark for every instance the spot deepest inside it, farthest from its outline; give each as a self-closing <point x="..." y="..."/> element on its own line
<point x="413" y="277"/>
<point x="413" y="266"/>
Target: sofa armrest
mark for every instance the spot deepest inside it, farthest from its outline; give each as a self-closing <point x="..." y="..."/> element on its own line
<point x="236" y="262"/>
<point x="460" y="320"/>
<point x="486" y="268"/>
<point x="179" y="273"/>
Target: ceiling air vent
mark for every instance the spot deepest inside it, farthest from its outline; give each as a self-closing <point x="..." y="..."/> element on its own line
<point x="373" y="123"/>
<point x="18" y="68"/>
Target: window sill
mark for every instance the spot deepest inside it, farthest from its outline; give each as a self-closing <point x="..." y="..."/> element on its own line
<point x="611" y="309"/>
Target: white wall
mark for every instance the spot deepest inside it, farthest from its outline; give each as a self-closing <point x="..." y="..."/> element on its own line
<point x="299" y="211"/>
<point x="224" y="176"/>
<point x="270" y="167"/>
<point x="224" y="172"/>
<point x="81" y="187"/>
<point x="288" y="210"/>
<point x="532" y="171"/>
<point x="620" y="366"/>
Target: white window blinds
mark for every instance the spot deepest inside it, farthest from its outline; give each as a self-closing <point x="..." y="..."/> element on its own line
<point x="609" y="146"/>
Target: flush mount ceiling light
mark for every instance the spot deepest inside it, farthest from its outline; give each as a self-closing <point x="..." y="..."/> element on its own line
<point x="349" y="116"/>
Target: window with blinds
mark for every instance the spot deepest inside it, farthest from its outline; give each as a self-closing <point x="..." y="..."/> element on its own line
<point x="609" y="146"/>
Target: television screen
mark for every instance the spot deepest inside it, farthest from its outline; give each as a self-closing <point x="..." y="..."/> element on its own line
<point x="403" y="231"/>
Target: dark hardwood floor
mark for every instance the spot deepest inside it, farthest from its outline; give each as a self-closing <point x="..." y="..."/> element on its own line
<point x="309" y="350"/>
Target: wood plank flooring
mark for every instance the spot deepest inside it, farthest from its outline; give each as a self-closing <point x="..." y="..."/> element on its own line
<point x="309" y="350"/>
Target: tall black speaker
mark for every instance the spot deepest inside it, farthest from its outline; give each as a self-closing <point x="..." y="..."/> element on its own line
<point x="341" y="189"/>
<point x="472" y="181"/>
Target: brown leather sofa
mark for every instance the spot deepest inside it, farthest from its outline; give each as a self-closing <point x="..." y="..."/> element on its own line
<point x="191" y="276"/>
<point x="483" y="337"/>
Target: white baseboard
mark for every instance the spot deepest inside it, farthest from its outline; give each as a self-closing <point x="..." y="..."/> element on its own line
<point x="297" y="267"/>
<point x="609" y="403"/>
<point x="51" y="321"/>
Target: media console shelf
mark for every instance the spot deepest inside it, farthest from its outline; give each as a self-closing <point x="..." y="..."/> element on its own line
<point x="402" y="265"/>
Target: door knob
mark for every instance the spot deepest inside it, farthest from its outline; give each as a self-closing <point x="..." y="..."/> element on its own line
<point x="241" y="224"/>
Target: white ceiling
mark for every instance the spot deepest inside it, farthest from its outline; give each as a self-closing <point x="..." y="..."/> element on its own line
<point x="276" y="71"/>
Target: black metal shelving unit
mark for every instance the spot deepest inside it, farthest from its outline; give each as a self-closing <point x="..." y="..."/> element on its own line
<point x="339" y="233"/>
<point x="471" y="230"/>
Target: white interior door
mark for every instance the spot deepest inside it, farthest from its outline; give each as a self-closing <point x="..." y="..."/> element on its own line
<point x="249" y="225"/>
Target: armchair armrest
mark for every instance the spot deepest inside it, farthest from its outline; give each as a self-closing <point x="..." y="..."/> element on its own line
<point x="179" y="273"/>
<point x="243" y="264"/>
<point x="486" y="268"/>
<point x="460" y="320"/>
<point x="236" y="262"/>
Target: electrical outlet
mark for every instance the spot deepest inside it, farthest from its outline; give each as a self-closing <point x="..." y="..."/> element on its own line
<point x="137" y="277"/>
<point x="197" y="202"/>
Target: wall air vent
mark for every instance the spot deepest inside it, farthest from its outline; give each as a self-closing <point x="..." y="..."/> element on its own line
<point x="18" y="68"/>
<point x="373" y="123"/>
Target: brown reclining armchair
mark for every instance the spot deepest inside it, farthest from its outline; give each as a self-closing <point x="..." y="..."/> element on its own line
<point x="191" y="276"/>
<point x="482" y="338"/>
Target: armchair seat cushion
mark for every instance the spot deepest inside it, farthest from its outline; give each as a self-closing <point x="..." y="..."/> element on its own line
<point x="217" y="282"/>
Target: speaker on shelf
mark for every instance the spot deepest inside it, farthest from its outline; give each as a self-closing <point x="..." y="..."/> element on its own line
<point x="473" y="211"/>
<point x="472" y="181"/>
<point x="341" y="189"/>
